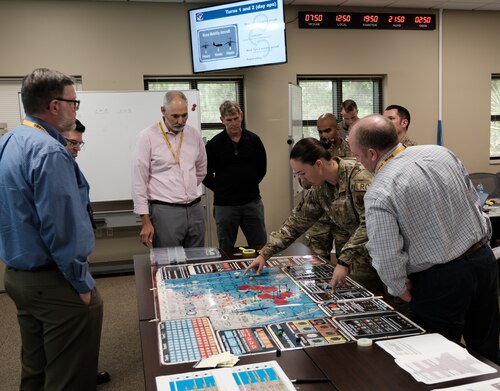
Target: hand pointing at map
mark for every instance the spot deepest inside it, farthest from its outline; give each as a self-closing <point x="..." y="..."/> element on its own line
<point x="257" y="265"/>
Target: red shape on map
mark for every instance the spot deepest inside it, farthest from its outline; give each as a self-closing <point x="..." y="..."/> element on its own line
<point x="277" y="298"/>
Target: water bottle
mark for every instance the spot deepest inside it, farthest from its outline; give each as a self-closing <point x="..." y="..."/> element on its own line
<point x="481" y="193"/>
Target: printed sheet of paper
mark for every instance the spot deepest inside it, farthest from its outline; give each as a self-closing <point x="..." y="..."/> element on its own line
<point x="431" y="358"/>
<point x="487" y="385"/>
<point x="257" y="377"/>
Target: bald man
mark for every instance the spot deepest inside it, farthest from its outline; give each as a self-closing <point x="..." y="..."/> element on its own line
<point x="432" y="255"/>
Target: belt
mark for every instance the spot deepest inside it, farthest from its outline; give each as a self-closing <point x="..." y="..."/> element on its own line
<point x="43" y="268"/>
<point x="470" y="251"/>
<point x="476" y="246"/>
<point x="155" y="202"/>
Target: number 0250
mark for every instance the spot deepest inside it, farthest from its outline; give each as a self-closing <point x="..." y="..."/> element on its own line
<point x="422" y="19"/>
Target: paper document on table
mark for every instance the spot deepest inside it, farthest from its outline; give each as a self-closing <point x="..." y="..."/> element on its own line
<point x="487" y="385"/>
<point x="419" y="345"/>
<point x="257" y="377"/>
<point x="431" y="358"/>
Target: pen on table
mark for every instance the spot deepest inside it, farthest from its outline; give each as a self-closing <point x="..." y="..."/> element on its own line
<point x="311" y="380"/>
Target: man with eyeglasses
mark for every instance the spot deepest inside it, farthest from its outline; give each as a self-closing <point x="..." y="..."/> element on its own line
<point x="74" y="142"/>
<point x="46" y="240"/>
<point x="74" y="139"/>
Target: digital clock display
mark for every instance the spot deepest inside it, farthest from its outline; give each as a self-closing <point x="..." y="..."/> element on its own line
<point x="368" y="20"/>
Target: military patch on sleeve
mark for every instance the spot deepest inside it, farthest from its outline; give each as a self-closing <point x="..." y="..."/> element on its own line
<point x="361" y="186"/>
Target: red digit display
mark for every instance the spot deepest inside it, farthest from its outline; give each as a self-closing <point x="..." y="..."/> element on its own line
<point x="370" y="18"/>
<point x="359" y="20"/>
<point x="343" y="18"/>
<point x="422" y="19"/>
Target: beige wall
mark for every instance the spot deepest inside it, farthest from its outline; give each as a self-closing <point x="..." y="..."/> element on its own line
<point x="112" y="45"/>
<point x="470" y="56"/>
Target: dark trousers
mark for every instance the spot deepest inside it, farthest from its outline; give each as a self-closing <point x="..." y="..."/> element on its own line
<point x="178" y="225"/>
<point x="250" y="217"/>
<point x="60" y="334"/>
<point x="460" y="298"/>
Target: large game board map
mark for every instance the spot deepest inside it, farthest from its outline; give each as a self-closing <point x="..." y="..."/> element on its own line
<point x="288" y="306"/>
<point x="232" y="300"/>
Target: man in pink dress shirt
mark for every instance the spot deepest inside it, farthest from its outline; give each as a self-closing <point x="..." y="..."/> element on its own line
<point x="169" y="164"/>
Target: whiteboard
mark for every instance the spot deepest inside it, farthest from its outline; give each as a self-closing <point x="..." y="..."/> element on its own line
<point x="113" y="119"/>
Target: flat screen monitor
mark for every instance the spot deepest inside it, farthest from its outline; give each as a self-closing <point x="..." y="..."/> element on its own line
<point x="236" y="35"/>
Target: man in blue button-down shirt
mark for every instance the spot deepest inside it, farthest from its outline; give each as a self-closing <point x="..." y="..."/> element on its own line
<point x="46" y="239"/>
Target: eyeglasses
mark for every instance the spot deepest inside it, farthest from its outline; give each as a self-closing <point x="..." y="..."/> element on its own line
<point x="75" y="143"/>
<point x="75" y="102"/>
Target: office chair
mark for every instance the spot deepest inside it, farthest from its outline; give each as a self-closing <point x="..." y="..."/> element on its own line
<point x="489" y="181"/>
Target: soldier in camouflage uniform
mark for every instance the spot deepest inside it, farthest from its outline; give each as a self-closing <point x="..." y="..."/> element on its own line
<point x="329" y="135"/>
<point x="338" y="190"/>
<point x="400" y="117"/>
<point x="349" y="113"/>
<point x="319" y="238"/>
<point x="407" y="142"/>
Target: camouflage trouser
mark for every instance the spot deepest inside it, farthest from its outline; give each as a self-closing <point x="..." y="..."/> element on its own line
<point x="364" y="273"/>
<point x="319" y="238"/>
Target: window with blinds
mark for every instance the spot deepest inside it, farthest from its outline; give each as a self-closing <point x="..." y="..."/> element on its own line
<point x="213" y="91"/>
<point x="495" y="119"/>
<point x="325" y="95"/>
<point x="10" y="87"/>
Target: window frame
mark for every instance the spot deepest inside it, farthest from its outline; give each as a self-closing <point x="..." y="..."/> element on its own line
<point x="337" y="91"/>
<point x="493" y="118"/>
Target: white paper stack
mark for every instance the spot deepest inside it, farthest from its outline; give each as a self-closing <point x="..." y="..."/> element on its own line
<point x="431" y="358"/>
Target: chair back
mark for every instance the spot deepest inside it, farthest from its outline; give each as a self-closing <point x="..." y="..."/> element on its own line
<point x="489" y="181"/>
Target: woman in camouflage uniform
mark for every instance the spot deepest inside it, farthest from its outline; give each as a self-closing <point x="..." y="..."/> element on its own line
<point x="338" y="190"/>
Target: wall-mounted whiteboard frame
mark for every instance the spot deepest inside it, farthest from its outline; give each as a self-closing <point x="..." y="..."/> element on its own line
<point x="113" y="119"/>
<point x="295" y="133"/>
